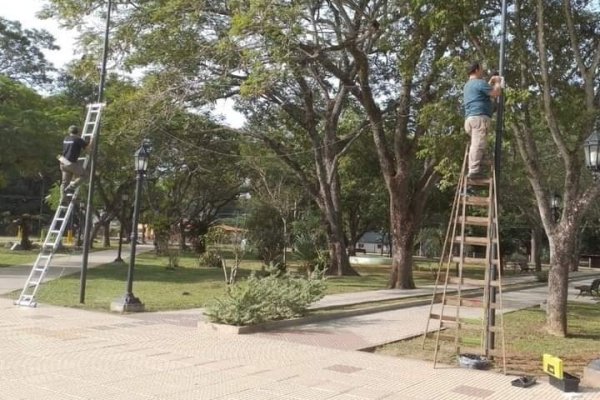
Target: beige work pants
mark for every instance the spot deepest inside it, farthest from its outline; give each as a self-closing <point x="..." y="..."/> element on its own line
<point x="70" y="170"/>
<point x="477" y="127"/>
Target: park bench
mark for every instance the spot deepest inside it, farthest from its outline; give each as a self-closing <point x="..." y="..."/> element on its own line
<point x="594" y="287"/>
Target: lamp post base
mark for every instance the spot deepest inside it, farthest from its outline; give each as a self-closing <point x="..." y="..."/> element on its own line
<point x="129" y="303"/>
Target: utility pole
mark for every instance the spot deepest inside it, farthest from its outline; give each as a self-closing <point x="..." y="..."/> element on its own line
<point x="491" y="337"/>
<point x="93" y="156"/>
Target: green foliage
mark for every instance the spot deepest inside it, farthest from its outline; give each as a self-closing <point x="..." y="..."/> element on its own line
<point x="21" y="56"/>
<point x="265" y="232"/>
<point x="274" y="297"/>
<point x="210" y="259"/>
<point x="173" y="258"/>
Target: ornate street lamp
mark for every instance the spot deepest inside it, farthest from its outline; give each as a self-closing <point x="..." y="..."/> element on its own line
<point x="591" y="148"/>
<point x="556" y="206"/>
<point x="130" y="303"/>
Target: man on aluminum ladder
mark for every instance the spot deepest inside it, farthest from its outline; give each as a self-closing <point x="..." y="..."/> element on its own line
<point x="72" y="146"/>
<point x="478" y="108"/>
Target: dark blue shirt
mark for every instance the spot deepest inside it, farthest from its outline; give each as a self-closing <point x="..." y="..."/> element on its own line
<point x="477" y="99"/>
<point x="72" y="146"/>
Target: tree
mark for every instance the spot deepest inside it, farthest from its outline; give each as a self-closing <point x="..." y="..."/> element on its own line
<point x="557" y="97"/>
<point x="21" y="56"/>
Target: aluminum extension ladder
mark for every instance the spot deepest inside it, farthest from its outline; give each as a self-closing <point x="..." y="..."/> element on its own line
<point x="473" y="230"/>
<point x="60" y="220"/>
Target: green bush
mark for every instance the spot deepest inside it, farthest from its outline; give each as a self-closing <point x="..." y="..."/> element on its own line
<point x="210" y="259"/>
<point x="274" y="297"/>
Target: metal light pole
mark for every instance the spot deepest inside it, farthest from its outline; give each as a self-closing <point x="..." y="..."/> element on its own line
<point x="130" y="303"/>
<point x="93" y="156"/>
<point x="42" y="190"/>
<point x="124" y="198"/>
<point x="491" y="338"/>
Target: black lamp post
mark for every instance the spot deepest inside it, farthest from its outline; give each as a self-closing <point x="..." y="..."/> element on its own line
<point x="130" y="303"/>
<point x="591" y="148"/>
<point x="124" y="198"/>
<point x="556" y="206"/>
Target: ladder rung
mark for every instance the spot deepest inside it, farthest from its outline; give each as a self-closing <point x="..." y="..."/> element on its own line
<point x="479" y="182"/>
<point x="474" y="260"/>
<point x="54" y="231"/>
<point x="38" y="269"/>
<point x="478" y="221"/>
<point x="472" y="282"/>
<point x="439" y="317"/>
<point x="465" y="302"/>
<point x="476" y="201"/>
<point x="496" y="329"/>
<point x="474" y="240"/>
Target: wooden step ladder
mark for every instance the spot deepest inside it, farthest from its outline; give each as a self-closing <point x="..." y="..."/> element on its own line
<point x="472" y="238"/>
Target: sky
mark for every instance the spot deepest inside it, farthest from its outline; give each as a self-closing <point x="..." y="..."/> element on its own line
<point x="24" y="11"/>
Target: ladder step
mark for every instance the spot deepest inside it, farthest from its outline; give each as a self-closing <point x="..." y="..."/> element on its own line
<point x="439" y="317"/>
<point x="474" y="240"/>
<point x="477" y="221"/>
<point x="477" y="201"/>
<point x="479" y="182"/>
<point x="474" y="260"/>
<point x="472" y="282"/>
<point x="465" y="302"/>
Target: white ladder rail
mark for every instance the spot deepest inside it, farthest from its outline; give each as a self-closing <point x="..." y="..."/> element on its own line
<point x="59" y="221"/>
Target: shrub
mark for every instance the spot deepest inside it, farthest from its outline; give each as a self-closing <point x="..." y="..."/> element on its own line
<point x="173" y="259"/>
<point x="210" y="259"/>
<point x="274" y="297"/>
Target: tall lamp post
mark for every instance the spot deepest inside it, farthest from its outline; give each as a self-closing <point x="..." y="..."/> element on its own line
<point x="87" y="239"/>
<point x="130" y="303"/>
<point x="124" y="198"/>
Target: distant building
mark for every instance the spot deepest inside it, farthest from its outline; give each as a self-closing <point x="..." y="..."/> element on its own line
<point x="373" y="242"/>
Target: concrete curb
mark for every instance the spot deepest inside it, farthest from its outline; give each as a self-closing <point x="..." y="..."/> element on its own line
<point x="310" y="319"/>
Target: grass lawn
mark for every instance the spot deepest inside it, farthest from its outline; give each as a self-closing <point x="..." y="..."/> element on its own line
<point x="16" y="257"/>
<point x="9" y="257"/>
<point x="526" y="341"/>
<point x="188" y="286"/>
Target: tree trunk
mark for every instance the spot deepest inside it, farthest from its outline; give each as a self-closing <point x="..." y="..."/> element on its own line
<point x="182" y="237"/>
<point x="562" y="256"/>
<point x="106" y="231"/>
<point x="401" y="276"/>
<point x="24" y="224"/>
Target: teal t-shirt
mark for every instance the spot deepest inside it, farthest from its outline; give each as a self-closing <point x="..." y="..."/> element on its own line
<point x="477" y="99"/>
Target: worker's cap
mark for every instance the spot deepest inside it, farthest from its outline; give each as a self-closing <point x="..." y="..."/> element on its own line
<point x="474" y="66"/>
<point x="73" y="130"/>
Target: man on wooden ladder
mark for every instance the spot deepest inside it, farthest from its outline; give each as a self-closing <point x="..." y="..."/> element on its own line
<point x="69" y="165"/>
<point x="478" y="113"/>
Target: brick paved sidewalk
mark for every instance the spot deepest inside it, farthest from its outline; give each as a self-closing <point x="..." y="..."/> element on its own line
<point x="59" y="353"/>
